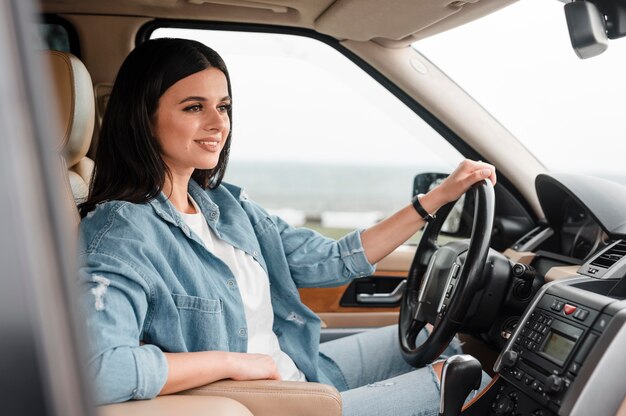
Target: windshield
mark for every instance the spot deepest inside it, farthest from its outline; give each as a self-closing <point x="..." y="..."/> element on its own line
<point x="518" y="63"/>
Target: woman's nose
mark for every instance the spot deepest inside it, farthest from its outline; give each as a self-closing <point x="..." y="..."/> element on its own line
<point x="216" y="120"/>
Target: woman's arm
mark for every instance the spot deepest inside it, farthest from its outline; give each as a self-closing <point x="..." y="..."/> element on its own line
<point x="187" y="370"/>
<point x="384" y="237"/>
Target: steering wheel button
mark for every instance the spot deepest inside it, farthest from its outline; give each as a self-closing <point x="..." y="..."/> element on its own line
<point x="569" y="309"/>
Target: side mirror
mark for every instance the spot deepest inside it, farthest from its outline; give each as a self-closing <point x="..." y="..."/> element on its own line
<point x="587" y="29"/>
<point x="455" y="223"/>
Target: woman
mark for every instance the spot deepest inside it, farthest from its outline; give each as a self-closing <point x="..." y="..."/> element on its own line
<point x="185" y="281"/>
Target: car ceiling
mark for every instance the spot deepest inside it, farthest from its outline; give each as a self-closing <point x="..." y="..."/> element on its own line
<point x="394" y="23"/>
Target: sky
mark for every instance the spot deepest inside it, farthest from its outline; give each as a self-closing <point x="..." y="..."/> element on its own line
<point x="519" y="64"/>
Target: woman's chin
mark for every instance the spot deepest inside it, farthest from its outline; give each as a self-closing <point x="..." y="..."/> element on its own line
<point x="207" y="166"/>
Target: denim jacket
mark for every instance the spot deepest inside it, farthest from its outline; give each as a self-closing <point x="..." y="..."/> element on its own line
<point x="145" y="276"/>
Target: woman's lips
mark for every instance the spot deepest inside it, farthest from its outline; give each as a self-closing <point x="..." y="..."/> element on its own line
<point x="209" y="145"/>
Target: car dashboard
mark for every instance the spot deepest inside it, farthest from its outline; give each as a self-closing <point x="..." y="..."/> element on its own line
<point x="565" y="354"/>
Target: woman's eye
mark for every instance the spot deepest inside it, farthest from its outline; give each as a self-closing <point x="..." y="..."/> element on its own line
<point x="224" y="107"/>
<point x="193" y="108"/>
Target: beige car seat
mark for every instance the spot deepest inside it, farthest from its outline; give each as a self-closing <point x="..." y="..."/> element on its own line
<point x="76" y="112"/>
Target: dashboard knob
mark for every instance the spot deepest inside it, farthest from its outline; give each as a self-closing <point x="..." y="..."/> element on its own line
<point x="509" y="359"/>
<point x="554" y="384"/>
<point x="523" y="271"/>
<point x="503" y="407"/>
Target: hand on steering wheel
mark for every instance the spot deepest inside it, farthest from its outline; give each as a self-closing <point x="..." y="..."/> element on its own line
<point x="443" y="280"/>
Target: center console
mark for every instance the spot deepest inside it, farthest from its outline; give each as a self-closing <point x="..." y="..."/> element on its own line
<point x="554" y="351"/>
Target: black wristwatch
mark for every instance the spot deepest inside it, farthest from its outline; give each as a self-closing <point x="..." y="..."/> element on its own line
<point x="420" y="209"/>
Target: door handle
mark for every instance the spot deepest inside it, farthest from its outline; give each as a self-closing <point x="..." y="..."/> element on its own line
<point x="390" y="298"/>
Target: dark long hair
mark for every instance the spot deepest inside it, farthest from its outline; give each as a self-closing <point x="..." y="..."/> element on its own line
<point x="128" y="162"/>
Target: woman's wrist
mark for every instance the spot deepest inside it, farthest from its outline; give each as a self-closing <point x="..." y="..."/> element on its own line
<point x="432" y="201"/>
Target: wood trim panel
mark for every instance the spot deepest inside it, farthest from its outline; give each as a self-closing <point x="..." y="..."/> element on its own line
<point x="524" y="257"/>
<point x="561" y="272"/>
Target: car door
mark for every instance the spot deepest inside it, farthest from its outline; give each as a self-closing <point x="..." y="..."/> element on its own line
<point x="39" y="373"/>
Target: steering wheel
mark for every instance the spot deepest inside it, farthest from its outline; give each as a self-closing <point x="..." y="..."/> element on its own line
<point x="443" y="281"/>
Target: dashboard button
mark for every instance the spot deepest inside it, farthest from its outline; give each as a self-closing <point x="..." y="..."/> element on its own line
<point x="569" y="309"/>
<point x="517" y="373"/>
<point x="581" y="314"/>
<point x="602" y="322"/>
<point x="585" y="348"/>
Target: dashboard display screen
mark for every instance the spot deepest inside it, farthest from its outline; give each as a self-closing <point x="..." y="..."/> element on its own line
<point x="558" y="347"/>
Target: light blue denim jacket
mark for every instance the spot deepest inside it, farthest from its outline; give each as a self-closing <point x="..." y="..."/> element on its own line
<point x="146" y="277"/>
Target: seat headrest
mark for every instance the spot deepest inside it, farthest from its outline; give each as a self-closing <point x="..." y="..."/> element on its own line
<point x="75" y="103"/>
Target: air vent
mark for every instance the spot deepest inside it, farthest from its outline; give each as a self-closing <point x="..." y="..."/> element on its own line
<point x="532" y="239"/>
<point x="610" y="256"/>
<point x="526" y="238"/>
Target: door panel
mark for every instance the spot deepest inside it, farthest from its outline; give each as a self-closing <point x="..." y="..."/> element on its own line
<point x="326" y="302"/>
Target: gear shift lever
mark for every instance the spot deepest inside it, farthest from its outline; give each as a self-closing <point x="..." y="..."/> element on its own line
<point x="460" y="375"/>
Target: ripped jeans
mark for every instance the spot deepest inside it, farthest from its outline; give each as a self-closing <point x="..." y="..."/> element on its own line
<point x="374" y="379"/>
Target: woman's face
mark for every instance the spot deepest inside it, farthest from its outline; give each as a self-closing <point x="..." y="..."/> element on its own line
<point x="191" y="122"/>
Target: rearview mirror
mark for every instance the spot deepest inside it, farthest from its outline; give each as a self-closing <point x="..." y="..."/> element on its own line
<point x="587" y="29"/>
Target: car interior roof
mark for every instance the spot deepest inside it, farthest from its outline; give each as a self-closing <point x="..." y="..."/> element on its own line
<point x="341" y="19"/>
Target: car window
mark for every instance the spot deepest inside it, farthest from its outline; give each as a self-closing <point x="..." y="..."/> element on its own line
<point x="566" y="111"/>
<point x="53" y="36"/>
<point x="315" y="139"/>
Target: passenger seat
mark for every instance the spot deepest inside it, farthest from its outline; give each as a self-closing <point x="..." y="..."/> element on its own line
<point x="76" y="111"/>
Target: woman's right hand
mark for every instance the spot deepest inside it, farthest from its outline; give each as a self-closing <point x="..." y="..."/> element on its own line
<point x="187" y="370"/>
<point x="253" y="367"/>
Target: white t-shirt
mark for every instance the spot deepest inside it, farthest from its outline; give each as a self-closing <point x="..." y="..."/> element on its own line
<point x="254" y="287"/>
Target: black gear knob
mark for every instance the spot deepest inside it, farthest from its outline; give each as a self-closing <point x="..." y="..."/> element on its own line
<point x="461" y="374"/>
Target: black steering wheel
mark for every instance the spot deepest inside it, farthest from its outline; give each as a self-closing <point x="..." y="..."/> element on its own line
<point x="443" y="280"/>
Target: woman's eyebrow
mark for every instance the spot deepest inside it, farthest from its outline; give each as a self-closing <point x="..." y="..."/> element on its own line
<point x="203" y="99"/>
<point x="193" y="98"/>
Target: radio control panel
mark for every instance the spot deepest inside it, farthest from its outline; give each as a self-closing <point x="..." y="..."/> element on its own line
<point x="544" y="358"/>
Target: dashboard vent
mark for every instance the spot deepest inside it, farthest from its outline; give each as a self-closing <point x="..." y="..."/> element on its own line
<point x="528" y="236"/>
<point x="520" y="244"/>
<point x="610" y="256"/>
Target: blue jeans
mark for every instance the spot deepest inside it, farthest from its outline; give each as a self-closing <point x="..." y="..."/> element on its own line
<point x="375" y="380"/>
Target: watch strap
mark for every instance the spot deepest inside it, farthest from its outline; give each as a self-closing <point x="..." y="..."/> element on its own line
<point x="420" y="209"/>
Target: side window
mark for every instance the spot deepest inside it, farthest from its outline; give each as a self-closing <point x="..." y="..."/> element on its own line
<point x="54" y="37"/>
<point x="316" y="140"/>
<point x="56" y="34"/>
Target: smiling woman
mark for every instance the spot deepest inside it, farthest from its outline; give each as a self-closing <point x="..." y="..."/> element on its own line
<point x="129" y="162"/>
<point x="201" y="283"/>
